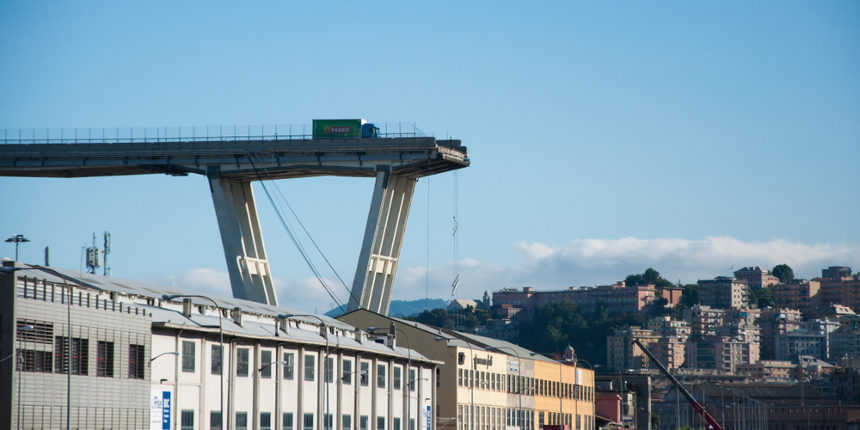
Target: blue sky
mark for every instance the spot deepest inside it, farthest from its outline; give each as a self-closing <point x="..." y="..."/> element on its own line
<point x="605" y="137"/>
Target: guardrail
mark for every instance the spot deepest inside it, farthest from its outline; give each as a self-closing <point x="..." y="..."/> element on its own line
<point x="184" y="134"/>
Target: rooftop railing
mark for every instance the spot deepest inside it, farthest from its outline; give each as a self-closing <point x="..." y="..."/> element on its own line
<point x="184" y="134"/>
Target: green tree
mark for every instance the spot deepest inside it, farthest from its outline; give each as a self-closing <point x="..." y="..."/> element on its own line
<point x="783" y="272"/>
<point x="690" y="295"/>
<point x="437" y="318"/>
<point x="763" y="297"/>
<point x="650" y="276"/>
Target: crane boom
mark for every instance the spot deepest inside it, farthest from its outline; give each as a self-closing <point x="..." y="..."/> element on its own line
<point x="696" y="405"/>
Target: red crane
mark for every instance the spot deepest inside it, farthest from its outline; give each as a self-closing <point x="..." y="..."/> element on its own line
<point x="696" y="405"/>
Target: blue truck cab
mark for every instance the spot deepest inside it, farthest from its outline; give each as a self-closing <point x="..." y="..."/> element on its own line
<point x="369" y="130"/>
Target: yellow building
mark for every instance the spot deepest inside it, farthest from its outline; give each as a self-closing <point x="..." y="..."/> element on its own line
<point x="490" y="384"/>
<point x="564" y="394"/>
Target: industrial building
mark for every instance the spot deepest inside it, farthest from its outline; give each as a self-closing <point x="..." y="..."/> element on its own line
<point x="99" y="352"/>
<point x="490" y="384"/>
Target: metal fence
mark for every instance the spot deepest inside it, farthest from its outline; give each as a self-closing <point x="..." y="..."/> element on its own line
<point x="184" y="134"/>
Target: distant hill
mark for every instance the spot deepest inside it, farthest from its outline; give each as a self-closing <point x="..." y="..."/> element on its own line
<point x="402" y="308"/>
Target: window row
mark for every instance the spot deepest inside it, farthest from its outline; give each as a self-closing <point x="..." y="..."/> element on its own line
<point x="288" y="362"/>
<point x="513" y="384"/>
<point x="75" y="355"/>
<point x="567" y="391"/>
<point x="490" y="418"/>
<point x="287" y="421"/>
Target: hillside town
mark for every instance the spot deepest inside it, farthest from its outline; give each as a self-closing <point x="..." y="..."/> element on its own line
<point x="753" y="348"/>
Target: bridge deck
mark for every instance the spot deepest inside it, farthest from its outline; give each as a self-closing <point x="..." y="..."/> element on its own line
<point x="279" y="159"/>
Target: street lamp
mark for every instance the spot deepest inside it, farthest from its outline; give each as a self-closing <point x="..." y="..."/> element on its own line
<point x="164" y="353"/>
<point x="621" y="385"/>
<point x="170" y="297"/>
<point x="325" y="328"/>
<point x="520" y="418"/>
<point x="471" y="382"/>
<point x="392" y="330"/>
<point x="17" y="239"/>
<point x="21" y="367"/>
<point x="577" y="360"/>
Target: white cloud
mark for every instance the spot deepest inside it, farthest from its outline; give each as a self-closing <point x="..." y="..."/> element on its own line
<point x="587" y="262"/>
<point x="582" y="262"/>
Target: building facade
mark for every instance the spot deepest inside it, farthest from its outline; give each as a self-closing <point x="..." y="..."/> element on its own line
<point x="490" y="384"/>
<point x="139" y="360"/>
<point x="756" y="277"/>
<point x="724" y="292"/>
<point x="799" y="294"/>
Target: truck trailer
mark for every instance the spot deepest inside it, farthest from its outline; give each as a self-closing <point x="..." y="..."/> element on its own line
<point x="344" y="128"/>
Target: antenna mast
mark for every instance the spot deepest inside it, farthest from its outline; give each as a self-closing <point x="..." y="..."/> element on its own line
<point x="107" y="270"/>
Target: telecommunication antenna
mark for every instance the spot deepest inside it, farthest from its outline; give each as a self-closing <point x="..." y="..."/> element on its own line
<point x="107" y="270"/>
<point x="94" y="256"/>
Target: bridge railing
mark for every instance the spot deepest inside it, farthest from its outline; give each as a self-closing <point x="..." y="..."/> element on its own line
<point x="183" y="134"/>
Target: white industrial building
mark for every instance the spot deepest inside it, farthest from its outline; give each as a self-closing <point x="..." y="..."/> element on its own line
<point x="141" y="361"/>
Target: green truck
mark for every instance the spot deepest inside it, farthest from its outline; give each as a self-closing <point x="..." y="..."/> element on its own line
<point x="344" y="128"/>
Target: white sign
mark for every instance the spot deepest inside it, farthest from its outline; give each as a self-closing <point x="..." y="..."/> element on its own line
<point x="578" y="376"/>
<point x="513" y="366"/>
<point x="159" y="410"/>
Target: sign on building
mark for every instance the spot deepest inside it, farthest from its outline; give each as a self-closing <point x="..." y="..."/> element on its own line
<point x="159" y="412"/>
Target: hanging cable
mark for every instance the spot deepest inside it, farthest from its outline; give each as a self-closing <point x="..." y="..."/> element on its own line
<point x="427" y="272"/>
<point x="293" y="238"/>
<point x="290" y="207"/>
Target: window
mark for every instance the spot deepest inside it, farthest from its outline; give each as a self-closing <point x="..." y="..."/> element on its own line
<point x="266" y="364"/>
<point x="36" y="361"/>
<point x="380" y="423"/>
<point x="460" y="377"/>
<point x="287" y="421"/>
<point x="216" y="359"/>
<point x="347" y="372"/>
<point x="411" y="423"/>
<point x="136" y="357"/>
<point x="104" y="359"/>
<point x="215" y="420"/>
<point x="380" y="376"/>
<point x="329" y="369"/>
<point x="309" y="421"/>
<point x="186" y="419"/>
<point x="347" y="422"/>
<point x="362" y="422"/>
<point x="309" y="369"/>
<point x="365" y="374"/>
<point x="396" y="379"/>
<point x="266" y="418"/>
<point x="80" y="356"/>
<point x="188" y="356"/>
<point x="242" y="365"/>
<point x="289" y="366"/>
<point x="241" y="421"/>
<point x="396" y="424"/>
<point x="328" y="420"/>
<point x="412" y="380"/>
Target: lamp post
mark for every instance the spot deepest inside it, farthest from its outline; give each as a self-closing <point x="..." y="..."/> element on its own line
<point x="277" y="392"/>
<point x="169" y="297"/>
<point x="592" y="388"/>
<point x="325" y="328"/>
<point x="520" y="418"/>
<point x="20" y="367"/>
<point x="471" y="381"/>
<point x="393" y="329"/>
<point x="17" y="239"/>
<point x="621" y="385"/>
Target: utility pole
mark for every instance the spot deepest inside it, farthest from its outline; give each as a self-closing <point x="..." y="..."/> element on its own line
<point x="17" y="239"/>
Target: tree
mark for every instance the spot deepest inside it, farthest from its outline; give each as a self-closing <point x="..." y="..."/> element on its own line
<point x="650" y="276"/>
<point x="763" y="297"/>
<point x="690" y="295"/>
<point x="784" y="273"/>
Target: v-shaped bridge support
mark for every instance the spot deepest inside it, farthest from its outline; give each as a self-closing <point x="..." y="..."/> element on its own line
<point x="383" y="238"/>
<point x="242" y="238"/>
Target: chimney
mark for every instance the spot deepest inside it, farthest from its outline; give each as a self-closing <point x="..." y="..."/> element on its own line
<point x="359" y="336"/>
<point x="392" y="336"/>
<point x="237" y="316"/>
<point x="186" y="308"/>
<point x="284" y="325"/>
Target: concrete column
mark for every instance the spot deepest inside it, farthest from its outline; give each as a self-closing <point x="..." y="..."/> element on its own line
<point x="242" y="238"/>
<point x="383" y="238"/>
